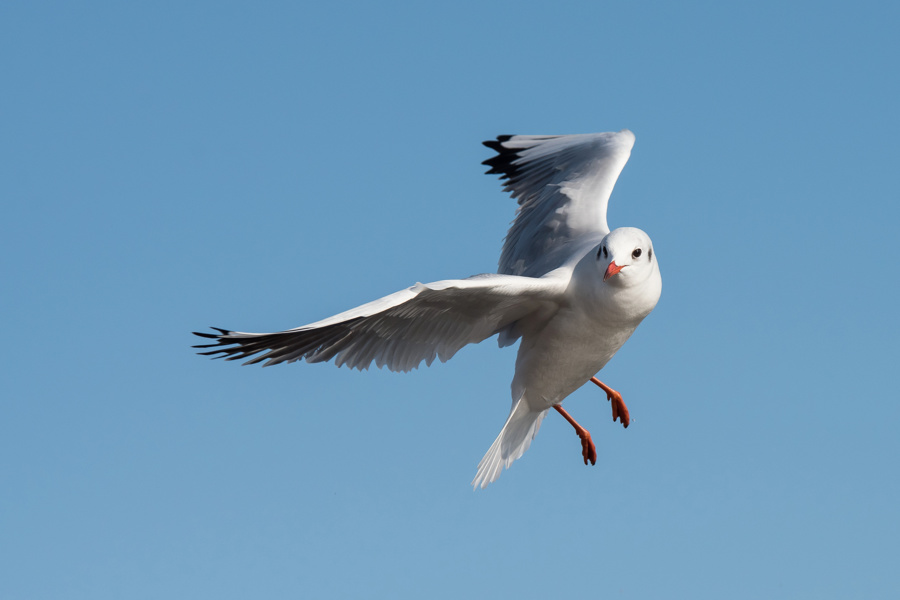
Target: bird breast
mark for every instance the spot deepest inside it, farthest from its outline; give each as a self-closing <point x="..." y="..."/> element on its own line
<point x="564" y="355"/>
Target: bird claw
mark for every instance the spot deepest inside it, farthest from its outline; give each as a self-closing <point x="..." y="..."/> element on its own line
<point x="619" y="410"/>
<point x="588" y="450"/>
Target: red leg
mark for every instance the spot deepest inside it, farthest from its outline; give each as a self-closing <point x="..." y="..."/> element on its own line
<point x="619" y="410"/>
<point x="588" y="450"/>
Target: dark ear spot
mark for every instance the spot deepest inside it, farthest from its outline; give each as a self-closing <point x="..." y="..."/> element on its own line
<point x="599" y="250"/>
<point x="650" y="253"/>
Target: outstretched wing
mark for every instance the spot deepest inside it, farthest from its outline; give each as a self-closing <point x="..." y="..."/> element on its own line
<point x="423" y="322"/>
<point x="562" y="184"/>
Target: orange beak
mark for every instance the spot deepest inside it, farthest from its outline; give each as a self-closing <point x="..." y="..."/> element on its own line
<point x="611" y="270"/>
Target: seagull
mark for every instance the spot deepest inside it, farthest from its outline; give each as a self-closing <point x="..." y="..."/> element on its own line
<point x="569" y="289"/>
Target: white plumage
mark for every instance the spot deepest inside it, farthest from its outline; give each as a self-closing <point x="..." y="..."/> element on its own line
<point x="570" y="289"/>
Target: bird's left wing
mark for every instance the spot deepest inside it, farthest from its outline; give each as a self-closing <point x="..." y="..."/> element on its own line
<point x="399" y="331"/>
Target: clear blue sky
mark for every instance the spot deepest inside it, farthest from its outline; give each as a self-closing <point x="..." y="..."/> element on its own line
<point x="170" y="166"/>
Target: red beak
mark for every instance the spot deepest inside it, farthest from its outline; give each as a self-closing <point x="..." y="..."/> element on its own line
<point x="611" y="270"/>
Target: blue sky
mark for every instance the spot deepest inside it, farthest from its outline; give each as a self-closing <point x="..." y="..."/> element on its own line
<point x="258" y="166"/>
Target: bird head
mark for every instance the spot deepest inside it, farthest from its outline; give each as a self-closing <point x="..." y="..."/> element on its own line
<point x="625" y="257"/>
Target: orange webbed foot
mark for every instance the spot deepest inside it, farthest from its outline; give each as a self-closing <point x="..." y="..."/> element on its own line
<point x="588" y="450"/>
<point x="619" y="410"/>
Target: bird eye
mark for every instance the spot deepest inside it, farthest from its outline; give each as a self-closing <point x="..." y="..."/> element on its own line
<point x="636" y="253"/>
<point x="605" y="253"/>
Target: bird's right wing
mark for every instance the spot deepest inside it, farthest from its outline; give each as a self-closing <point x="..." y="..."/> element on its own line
<point x="562" y="184"/>
<point x="399" y="331"/>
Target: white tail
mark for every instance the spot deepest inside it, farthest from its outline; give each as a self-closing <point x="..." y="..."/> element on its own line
<point x="514" y="439"/>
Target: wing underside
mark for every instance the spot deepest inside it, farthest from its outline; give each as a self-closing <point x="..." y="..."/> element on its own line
<point x="421" y="323"/>
<point x="562" y="185"/>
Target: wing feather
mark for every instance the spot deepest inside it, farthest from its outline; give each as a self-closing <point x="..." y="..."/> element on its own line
<point x="562" y="184"/>
<point x="400" y="331"/>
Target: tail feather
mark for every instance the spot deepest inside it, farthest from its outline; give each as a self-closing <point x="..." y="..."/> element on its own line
<point x="514" y="439"/>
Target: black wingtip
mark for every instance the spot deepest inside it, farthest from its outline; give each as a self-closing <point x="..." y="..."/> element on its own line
<point x="497" y="144"/>
<point x="212" y="336"/>
<point x="502" y="164"/>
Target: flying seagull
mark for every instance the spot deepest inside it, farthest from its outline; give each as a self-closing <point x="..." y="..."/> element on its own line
<point x="569" y="288"/>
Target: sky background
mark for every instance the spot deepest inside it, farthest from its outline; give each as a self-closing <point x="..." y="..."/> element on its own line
<point x="174" y="165"/>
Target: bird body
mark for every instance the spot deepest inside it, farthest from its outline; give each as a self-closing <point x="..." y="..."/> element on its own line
<point x="559" y="355"/>
<point x="572" y="291"/>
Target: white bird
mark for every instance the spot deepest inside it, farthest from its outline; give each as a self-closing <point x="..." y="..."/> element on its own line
<point x="572" y="290"/>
